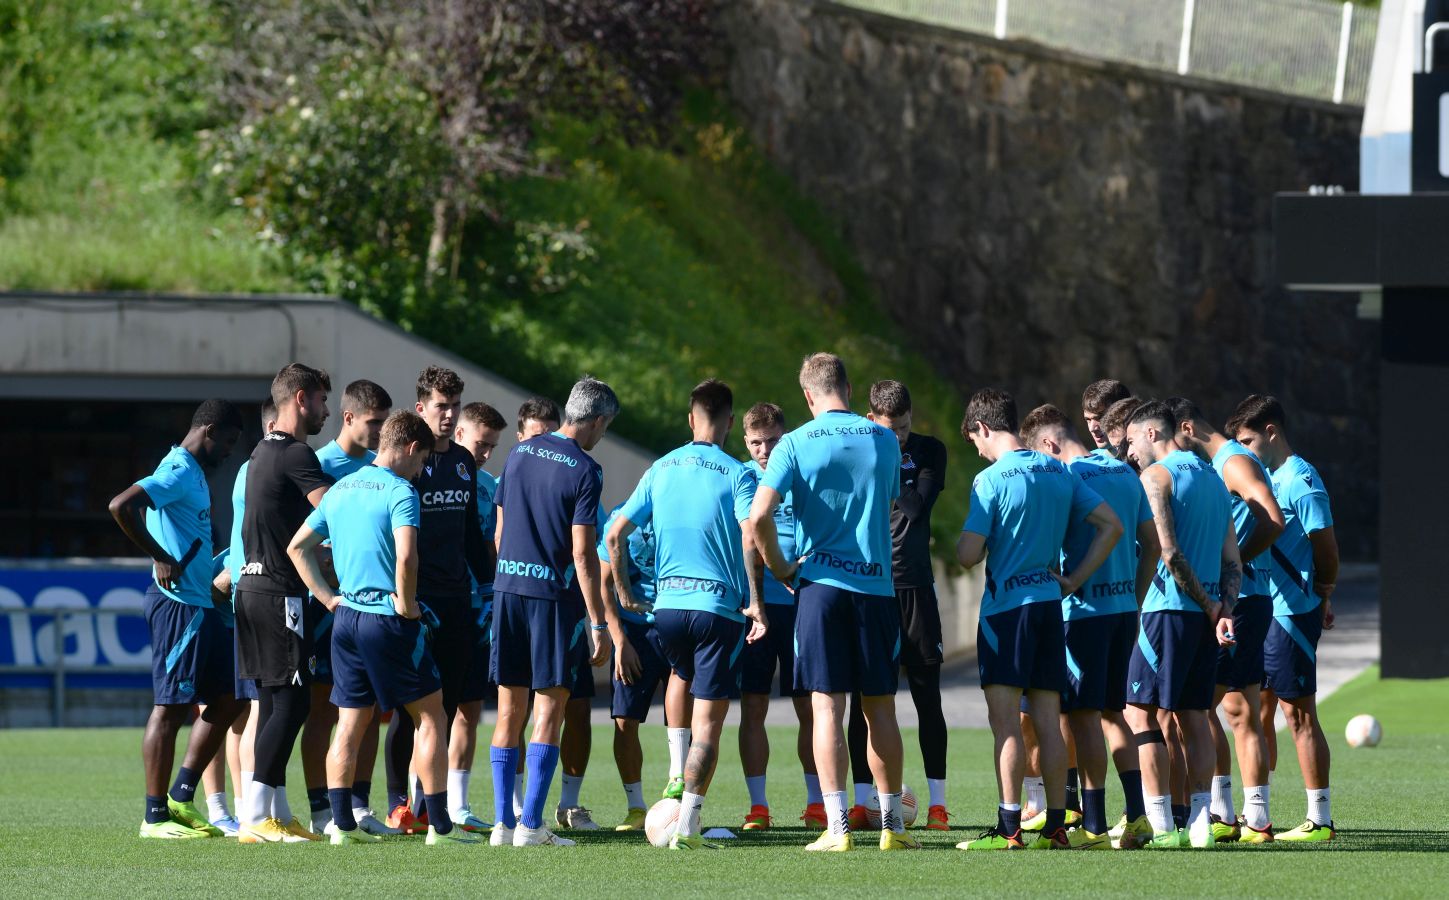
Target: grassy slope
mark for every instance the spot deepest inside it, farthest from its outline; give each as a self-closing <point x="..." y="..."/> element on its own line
<point x="78" y="791"/>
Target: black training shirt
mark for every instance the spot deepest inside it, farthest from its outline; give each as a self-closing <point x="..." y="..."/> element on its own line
<point x="282" y="472"/>
<point x="450" y="540"/>
<point x="923" y="475"/>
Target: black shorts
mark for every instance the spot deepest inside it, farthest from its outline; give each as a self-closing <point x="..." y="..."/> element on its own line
<point x="273" y="643"/>
<point x="478" y="686"/>
<point x="920" y="626"/>
<point x="452" y="642"/>
<point x="777" y="649"/>
<point x="1024" y="647"/>
<point x="1099" y="650"/>
<point x="1241" y="664"/>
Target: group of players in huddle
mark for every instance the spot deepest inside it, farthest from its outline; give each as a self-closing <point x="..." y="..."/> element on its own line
<point x="389" y="572"/>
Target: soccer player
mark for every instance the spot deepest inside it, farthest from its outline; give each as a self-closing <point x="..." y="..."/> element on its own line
<point x="923" y="477"/>
<point x="1021" y="507"/>
<point x="1114" y="426"/>
<point x="546" y="597"/>
<point x="1302" y="573"/>
<point x="841" y="472"/>
<point x="1175" y="661"/>
<point x="284" y="483"/>
<point x="365" y="406"/>
<point x="479" y="428"/>
<point x="450" y="547"/>
<point x="380" y="657"/>
<point x="639" y="666"/>
<point x="708" y="579"/>
<point x="1101" y="626"/>
<point x="1096" y="400"/>
<point x="764" y="427"/>
<point x="1258" y="522"/>
<point x="168" y="515"/>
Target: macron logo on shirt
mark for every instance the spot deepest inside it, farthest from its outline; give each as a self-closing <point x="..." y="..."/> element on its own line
<point x="526" y="570"/>
<point x="849" y="566"/>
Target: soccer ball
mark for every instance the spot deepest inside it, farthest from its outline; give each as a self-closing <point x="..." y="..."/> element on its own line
<point x="662" y="821"/>
<point x="909" y="806"/>
<point x="1363" y="731"/>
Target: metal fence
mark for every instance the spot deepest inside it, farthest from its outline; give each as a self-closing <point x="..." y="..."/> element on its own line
<point x="1310" y="48"/>
<point x="56" y="666"/>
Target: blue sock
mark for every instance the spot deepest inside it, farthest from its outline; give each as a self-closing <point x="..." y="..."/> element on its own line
<point x="505" y="770"/>
<point x="1008" y="821"/>
<point x="437" y="806"/>
<point x="156" y="810"/>
<point x="341" y="802"/>
<point x="183" y="789"/>
<point x="542" y="760"/>
<point x="317" y="798"/>
<point x="1094" y="810"/>
<point x="360" y="790"/>
<point x="1179" y="815"/>
<point x="1132" y="793"/>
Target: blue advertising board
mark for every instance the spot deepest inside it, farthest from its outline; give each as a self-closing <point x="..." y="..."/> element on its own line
<point x="89" y="640"/>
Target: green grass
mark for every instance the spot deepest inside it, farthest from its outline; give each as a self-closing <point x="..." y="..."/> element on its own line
<point x="72" y="801"/>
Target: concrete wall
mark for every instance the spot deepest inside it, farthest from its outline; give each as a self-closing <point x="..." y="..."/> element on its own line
<point x="1037" y="220"/>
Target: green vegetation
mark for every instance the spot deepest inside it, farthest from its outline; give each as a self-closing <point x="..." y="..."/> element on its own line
<point x="82" y="793"/>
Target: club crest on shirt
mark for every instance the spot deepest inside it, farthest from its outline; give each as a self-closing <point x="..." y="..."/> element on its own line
<point x="429" y="470"/>
<point x="907" y="462"/>
<point x="463" y="472"/>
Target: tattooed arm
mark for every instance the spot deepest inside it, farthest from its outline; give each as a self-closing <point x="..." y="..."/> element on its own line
<point x="1158" y="484"/>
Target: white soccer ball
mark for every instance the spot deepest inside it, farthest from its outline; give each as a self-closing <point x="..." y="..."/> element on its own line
<point x="1363" y="731"/>
<point x="662" y="821"/>
<point x="909" y="805"/>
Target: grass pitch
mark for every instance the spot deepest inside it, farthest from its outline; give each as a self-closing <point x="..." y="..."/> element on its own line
<point x="73" y="803"/>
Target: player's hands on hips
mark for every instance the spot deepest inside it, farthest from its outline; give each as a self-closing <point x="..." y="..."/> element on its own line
<point x="1224" y="629"/>
<point x="602" y="644"/>
<point x="626" y="663"/>
<point x="1066" y="584"/>
<point x="168" y="573"/>
<point x="759" y="623"/>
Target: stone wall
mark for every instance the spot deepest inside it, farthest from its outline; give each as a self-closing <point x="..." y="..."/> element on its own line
<point x="1038" y="220"/>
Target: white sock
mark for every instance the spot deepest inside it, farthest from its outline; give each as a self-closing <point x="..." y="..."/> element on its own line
<point x="1318" y="806"/>
<point x="1199" y="817"/>
<point x="812" y="789"/>
<point x="835" y="814"/>
<point x="457" y="793"/>
<point x="937" y="789"/>
<point x="1223" y="798"/>
<point x="864" y="792"/>
<point x="245" y="791"/>
<point x="634" y="791"/>
<point x="1035" y="792"/>
<point x="259" y="803"/>
<point x="280" y="808"/>
<point x="756" y="784"/>
<point x="891" y="817"/>
<point x="690" y="806"/>
<point x="569" y="795"/>
<point x="1159" y="813"/>
<point x="678" y="750"/>
<point x="216" y="806"/>
<point x="1255" y="807"/>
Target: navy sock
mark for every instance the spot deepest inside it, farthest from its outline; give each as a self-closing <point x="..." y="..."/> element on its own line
<point x="542" y="761"/>
<point x="156" y="810"/>
<point x="183" y="789"/>
<point x="437" y="807"/>
<point x="317" y="798"/>
<point x="1055" y="818"/>
<point x="397" y="795"/>
<point x="1074" y="802"/>
<point x="420" y="796"/>
<point x="1132" y="793"/>
<point x="340" y="800"/>
<point x="505" y="771"/>
<point x="1094" y="810"/>
<point x="1008" y="821"/>
<point x="360" y="790"/>
<point x="1179" y="815"/>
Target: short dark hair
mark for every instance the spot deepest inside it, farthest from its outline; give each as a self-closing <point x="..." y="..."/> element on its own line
<point x="1154" y="411"/>
<point x="995" y="408"/>
<point x="404" y="427"/>
<point x="764" y="415"/>
<point x="269" y="413"/>
<point x="890" y="399"/>
<point x="485" y="416"/>
<point x="363" y="396"/>
<point x="539" y="409"/>
<point x="1101" y="394"/>
<point x="1255" y="413"/>
<point x="222" y="413"/>
<point x="437" y="378"/>
<point x="1118" y="413"/>
<point x="296" y="377"/>
<point x="1043" y="418"/>
<point x="824" y="373"/>
<point x="1184" y="410"/>
<point x="714" y="397"/>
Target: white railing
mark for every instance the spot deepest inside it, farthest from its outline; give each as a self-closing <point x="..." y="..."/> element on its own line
<point x="1311" y="48"/>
